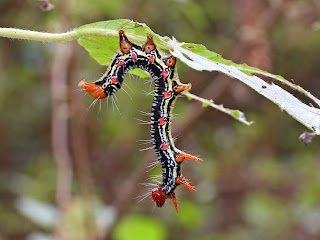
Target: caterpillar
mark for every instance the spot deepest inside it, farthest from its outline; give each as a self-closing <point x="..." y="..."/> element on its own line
<point x="167" y="88"/>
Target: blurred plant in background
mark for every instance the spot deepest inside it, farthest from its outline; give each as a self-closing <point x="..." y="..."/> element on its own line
<point x="70" y="171"/>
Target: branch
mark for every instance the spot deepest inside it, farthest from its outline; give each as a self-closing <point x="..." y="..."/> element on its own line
<point x="233" y="113"/>
<point x="67" y="36"/>
<point x="38" y="36"/>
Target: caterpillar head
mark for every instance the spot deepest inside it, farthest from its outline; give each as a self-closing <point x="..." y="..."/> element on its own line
<point x="159" y="197"/>
<point x="93" y="89"/>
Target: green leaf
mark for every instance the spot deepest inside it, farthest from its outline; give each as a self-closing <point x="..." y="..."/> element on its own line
<point x="139" y="72"/>
<point x="103" y="48"/>
<point x="199" y="58"/>
<point x="236" y="113"/>
<point x="204" y="52"/>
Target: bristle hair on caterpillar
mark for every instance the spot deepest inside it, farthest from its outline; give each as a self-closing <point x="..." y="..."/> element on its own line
<point x="167" y="88"/>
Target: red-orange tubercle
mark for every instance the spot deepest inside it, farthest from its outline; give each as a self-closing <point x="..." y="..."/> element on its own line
<point x="93" y="89"/>
<point x="182" y="156"/>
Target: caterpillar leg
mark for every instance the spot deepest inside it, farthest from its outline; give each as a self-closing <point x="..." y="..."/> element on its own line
<point x="93" y="89"/>
<point x="174" y="201"/>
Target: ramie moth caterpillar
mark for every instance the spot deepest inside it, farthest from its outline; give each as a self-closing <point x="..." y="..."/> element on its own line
<point x="167" y="88"/>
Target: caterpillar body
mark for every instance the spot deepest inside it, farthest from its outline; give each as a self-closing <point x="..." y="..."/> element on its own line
<point x="167" y="88"/>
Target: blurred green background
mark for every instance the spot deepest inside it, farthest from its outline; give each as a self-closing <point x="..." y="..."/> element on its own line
<point x="71" y="171"/>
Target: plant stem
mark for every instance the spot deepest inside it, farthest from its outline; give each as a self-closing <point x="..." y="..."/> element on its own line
<point x="67" y="36"/>
<point x="38" y="36"/>
<point x="54" y="37"/>
<point x="236" y="114"/>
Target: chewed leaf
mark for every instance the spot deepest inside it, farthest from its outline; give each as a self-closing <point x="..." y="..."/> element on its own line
<point x="204" y="52"/>
<point x="197" y="57"/>
<point x="101" y="41"/>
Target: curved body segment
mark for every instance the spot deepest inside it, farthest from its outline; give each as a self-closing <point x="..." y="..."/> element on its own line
<point x="147" y="57"/>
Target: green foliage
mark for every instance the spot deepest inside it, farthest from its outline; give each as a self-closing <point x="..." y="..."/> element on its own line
<point x="264" y="211"/>
<point x="39" y="181"/>
<point x="139" y="228"/>
<point x="190" y="215"/>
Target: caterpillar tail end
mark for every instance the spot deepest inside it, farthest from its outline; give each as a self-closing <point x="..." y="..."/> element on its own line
<point x="93" y="89"/>
<point x="159" y="197"/>
<point x="180" y="157"/>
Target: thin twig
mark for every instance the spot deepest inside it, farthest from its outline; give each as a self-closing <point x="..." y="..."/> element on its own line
<point x="206" y="102"/>
<point x="60" y="113"/>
